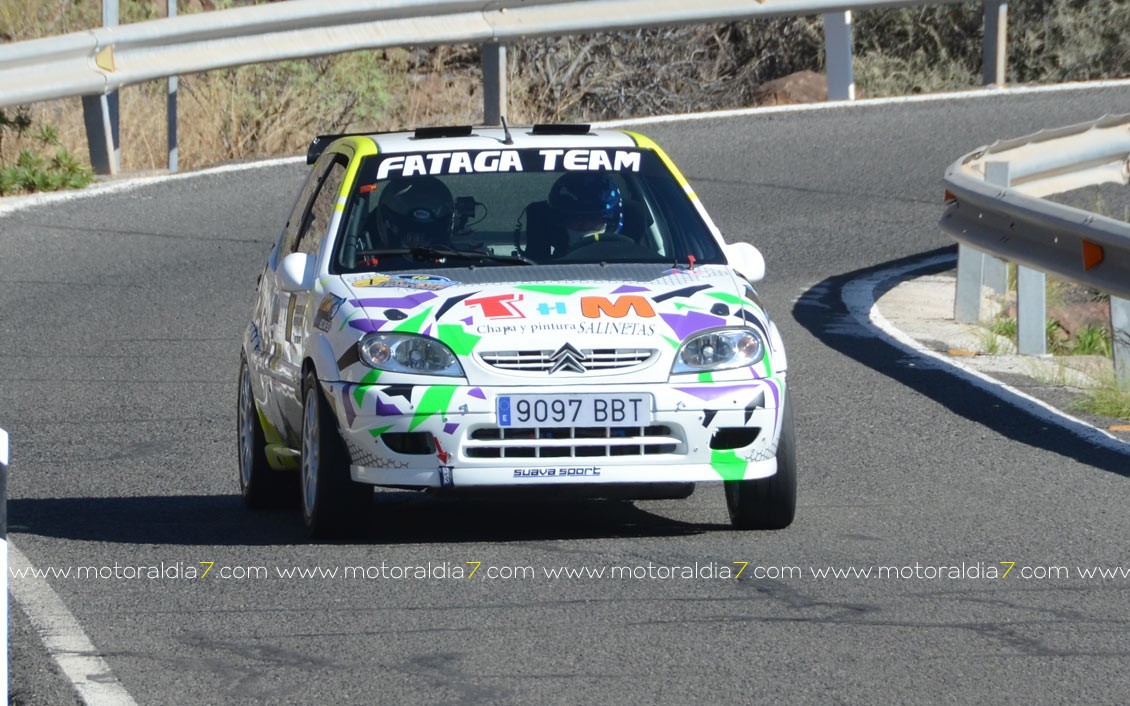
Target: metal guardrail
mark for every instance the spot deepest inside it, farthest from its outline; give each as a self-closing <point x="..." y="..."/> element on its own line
<point x="996" y="207"/>
<point x="99" y="61"/>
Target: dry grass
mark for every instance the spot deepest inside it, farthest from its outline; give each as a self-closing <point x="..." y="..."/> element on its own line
<point x="273" y="109"/>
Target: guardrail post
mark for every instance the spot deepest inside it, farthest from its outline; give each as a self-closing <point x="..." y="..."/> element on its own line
<point x="171" y="107"/>
<point x="1120" y="337"/>
<point x="494" y="83"/>
<point x="995" y="49"/>
<point x="994" y="271"/>
<point x="967" y="297"/>
<point x="1031" y="293"/>
<point x="100" y="114"/>
<point x="1031" y="312"/>
<point x="976" y="269"/>
<point x="4" y="559"/>
<point x="838" y="56"/>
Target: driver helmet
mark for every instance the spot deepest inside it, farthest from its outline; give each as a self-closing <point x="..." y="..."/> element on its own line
<point x="416" y="212"/>
<point x="589" y="204"/>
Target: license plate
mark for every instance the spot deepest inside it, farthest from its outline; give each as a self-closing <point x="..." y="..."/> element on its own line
<point x="582" y="410"/>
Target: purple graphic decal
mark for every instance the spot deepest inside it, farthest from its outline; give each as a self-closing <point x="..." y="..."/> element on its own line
<point x="713" y="392"/>
<point x="410" y="301"/>
<point x="450" y="428"/>
<point x="477" y="393"/>
<point x="387" y="410"/>
<point x="367" y="325"/>
<point x="427" y="330"/>
<point x="469" y="320"/>
<point x="692" y="322"/>
<point x="629" y="288"/>
<point x="776" y="393"/>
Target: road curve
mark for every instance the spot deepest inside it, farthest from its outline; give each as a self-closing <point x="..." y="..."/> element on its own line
<point x="118" y="352"/>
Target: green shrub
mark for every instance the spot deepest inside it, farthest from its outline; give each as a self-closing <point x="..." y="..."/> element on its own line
<point x="1092" y="340"/>
<point x="31" y="171"/>
<point x="1109" y="399"/>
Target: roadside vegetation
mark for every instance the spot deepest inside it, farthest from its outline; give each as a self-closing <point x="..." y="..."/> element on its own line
<point x="32" y="159"/>
<point x="1078" y="326"/>
<point x="259" y="111"/>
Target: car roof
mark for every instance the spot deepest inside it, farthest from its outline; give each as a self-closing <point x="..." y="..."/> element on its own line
<point x="467" y="138"/>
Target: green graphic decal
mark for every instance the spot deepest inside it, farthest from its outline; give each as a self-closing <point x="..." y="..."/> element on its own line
<point x="379" y="430"/>
<point x="346" y="319"/>
<point x="270" y="434"/>
<point x="728" y="298"/>
<point x="728" y="464"/>
<point x="674" y="343"/>
<point x="679" y="306"/>
<point x="706" y="377"/>
<point x="282" y="458"/>
<point x="434" y="401"/>
<point x="414" y="324"/>
<point x="561" y="290"/>
<point x="457" y="338"/>
<point x="359" y="391"/>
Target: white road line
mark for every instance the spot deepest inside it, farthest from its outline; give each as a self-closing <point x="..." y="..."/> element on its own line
<point x="978" y="93"/>
<point x="12" y="204"/>
<point x="64" y="638"/>
<point x="859" y="297"/>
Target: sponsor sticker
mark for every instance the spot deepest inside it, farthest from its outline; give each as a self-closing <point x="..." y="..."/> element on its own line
<point x="430" y="282"/>
<point x="563" y="472"/>
<point x="327" y="310"/>
<point x="486" y="161"/>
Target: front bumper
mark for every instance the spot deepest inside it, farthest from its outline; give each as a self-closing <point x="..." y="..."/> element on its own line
<point x="448" y="436"/>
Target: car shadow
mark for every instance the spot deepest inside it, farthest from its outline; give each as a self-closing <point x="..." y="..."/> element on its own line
<point x="822" y="311"/>
<point x="396" y="517"/>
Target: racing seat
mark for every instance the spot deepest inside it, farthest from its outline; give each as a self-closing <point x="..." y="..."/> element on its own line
<point x="545" y="236"/>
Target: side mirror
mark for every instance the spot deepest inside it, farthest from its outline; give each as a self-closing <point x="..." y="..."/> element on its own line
<point x="296" y="272"/>
<point x="747" y="260"/>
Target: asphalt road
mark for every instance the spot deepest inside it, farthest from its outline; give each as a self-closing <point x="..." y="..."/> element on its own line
<point x="118" y="352"/>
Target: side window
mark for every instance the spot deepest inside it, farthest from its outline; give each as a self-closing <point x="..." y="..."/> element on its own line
<point x="302" y="204"/>
<point x="322" y="209"/>
<point x="323" y="184"/>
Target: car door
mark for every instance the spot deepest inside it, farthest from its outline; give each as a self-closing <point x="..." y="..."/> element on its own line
<point x="283" y="331"/>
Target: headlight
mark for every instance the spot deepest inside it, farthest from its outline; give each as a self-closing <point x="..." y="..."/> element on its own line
<point x="719" y="350"/>
<point x="407" y="353"/>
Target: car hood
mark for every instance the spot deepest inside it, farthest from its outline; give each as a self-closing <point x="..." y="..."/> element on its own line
<point x="557" y="324"/>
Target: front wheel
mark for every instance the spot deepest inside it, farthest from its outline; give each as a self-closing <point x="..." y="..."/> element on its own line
<point x="768" y="503"/>
<point x="332" y="503"/>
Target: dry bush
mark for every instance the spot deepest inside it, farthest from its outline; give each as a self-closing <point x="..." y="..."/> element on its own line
<point x="437" y="86"/>
<point x="273" y="109"/>
<point x="656" y="71"/>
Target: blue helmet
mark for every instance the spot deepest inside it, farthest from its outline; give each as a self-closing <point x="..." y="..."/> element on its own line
<point x="585" y="200"/>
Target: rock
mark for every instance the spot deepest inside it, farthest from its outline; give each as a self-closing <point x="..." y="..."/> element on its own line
<point x="1076" y="315"/>
<point x="801" y="87"/>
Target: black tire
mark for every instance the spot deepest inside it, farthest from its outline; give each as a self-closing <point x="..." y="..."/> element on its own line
<point x="332" y="503"/>
<point x="768" y="503"/>
<point x="262" y="487"/>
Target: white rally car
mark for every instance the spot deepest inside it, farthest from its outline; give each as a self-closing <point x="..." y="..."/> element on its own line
<point x="473" y="308"/>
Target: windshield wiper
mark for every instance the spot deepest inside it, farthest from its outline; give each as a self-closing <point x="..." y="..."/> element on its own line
<point x="431" y="253"/>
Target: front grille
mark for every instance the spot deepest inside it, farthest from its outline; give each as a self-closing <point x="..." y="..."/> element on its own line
<point x="571" y="442"/>
<point x="595" y="359"/>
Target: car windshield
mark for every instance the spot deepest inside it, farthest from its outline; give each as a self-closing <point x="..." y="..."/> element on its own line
<point x="518" y="207"/>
